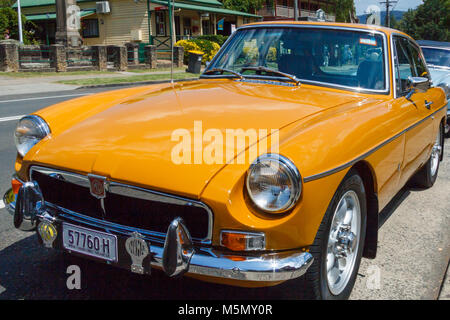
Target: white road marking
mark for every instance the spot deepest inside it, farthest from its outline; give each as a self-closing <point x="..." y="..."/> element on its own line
<point x="2" y="204"/>
<point x="49" y="97"/>
<point x="11" y="118"/>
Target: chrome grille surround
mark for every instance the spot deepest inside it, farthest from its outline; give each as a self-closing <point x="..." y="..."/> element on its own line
<point x="123" y="190"/>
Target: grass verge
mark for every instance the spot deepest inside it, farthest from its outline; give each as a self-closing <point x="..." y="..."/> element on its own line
<point x="141" y="78"/>
<point x="51" y="74"/>
<point x="82" y="73"/>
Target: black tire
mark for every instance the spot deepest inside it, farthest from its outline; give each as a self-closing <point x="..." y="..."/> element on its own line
<point x="314" y="284"/>
<point x="424" y="178"/>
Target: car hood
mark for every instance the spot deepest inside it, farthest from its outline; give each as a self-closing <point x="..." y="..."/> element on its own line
<point x="439" y="75"/>
<point x="132" y="139"/>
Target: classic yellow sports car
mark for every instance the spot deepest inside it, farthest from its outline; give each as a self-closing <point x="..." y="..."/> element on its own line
<point x="272" y="167"/>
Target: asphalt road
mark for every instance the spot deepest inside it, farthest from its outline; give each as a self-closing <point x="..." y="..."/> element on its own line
<point x="413" y="253"/>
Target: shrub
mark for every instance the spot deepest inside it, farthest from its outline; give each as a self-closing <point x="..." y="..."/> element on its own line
<point x="208" y="48"/>
<point x="218" y="38"/>
<point x="9" y="26"/>
<point x="188" y="45"/>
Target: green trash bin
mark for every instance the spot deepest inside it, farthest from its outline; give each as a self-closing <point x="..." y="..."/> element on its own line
<point x="195" y="61"/>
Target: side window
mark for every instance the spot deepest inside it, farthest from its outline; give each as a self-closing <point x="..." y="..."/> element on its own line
<point x="419" y="64"/>
<point x="404" y="66"/>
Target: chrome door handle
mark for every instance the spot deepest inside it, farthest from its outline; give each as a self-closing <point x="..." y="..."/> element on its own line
<point x="428" y="104"/>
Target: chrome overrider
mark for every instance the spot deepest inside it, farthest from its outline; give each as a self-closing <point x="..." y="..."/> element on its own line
<point x="177" y="255"/>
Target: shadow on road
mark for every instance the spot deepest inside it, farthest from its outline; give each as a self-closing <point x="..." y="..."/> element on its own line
<point x="29" y="271"/>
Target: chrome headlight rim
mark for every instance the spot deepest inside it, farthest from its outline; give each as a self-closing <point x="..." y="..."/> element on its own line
<point x="293" y="174"/>
<point x="39" y="124"/>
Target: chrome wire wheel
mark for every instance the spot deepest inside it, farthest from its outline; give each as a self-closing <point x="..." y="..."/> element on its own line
<point x="436" y="154"/>
<point x="343" y="242"/>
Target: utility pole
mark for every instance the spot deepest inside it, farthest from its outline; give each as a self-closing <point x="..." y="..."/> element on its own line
<point x="19" y="17"/>
<point x="296" y="10"/>
<point x="388" y="4"/>
<point x="171" y="19"/>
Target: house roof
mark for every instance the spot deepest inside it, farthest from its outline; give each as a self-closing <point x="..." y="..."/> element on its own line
<point x="198" y="5"/>
<point x="189" y="6"/>
<point x="49" y="16"/>
<point x="39" y="3"/>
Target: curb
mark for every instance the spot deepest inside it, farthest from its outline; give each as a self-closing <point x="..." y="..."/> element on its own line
<point x="129" y="84"/>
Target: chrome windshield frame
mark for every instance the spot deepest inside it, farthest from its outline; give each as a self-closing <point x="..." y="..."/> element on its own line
<point x="385" y="91"/>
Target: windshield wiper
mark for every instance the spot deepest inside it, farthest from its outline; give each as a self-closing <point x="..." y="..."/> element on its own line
<point x="222" y="70"/>
<point x="269" y="70"/>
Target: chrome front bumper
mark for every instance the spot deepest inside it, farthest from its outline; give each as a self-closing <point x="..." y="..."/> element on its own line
<point x="176" y="256"/>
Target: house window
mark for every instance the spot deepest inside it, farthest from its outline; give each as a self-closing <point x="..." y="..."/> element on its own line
<point x="90" y="28"/>
<point x="160" y="23"/>
<point x="187" y="27"/>
<point x="205" y="27"/>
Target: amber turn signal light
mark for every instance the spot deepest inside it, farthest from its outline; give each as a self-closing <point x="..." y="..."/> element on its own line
<point x="15" y="184"/>
<point x="242" y="241"/>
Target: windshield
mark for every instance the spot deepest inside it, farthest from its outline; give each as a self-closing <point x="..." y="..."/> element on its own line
<point x="328" y="56"/>
<point x="437" y="57"/>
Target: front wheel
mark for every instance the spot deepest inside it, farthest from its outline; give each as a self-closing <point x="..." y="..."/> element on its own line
<point x="338" y="246"/>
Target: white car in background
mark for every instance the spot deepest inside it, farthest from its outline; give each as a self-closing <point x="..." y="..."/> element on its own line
<point x="437" y="56"/>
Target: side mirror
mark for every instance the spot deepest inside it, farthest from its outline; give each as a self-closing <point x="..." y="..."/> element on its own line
<point x="417" y="84"/>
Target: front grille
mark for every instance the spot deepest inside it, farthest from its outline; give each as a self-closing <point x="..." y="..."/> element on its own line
<point x="128" y="211"/>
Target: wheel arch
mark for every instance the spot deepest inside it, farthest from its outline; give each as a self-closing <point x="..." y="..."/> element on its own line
<point x="369" y="179"/>
<point x="443" y="123"/>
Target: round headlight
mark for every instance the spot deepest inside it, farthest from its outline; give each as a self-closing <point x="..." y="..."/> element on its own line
<point x="273" y="183"/>
<point x="29" y="131"/>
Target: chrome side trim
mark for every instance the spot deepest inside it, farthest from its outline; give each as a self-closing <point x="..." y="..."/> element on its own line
<point x="368" y="153"/>
<point x="129" y="191"/>
<point x="386" y="90"/>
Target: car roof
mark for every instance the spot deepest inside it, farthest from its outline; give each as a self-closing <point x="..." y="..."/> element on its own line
<point x="385" y="30"/>
<point x="438" y="44"/>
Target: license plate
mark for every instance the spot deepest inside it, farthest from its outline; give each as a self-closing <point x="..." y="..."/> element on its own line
<point x="90" y="242"/>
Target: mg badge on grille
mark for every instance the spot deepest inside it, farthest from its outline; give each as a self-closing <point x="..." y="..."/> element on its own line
<point x="97" y="186"/>
<point x="137" y="248"/>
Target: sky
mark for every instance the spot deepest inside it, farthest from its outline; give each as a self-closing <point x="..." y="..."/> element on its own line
<point x="402" y="5"/>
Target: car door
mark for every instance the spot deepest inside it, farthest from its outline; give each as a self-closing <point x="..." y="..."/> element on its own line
<point x="416" y="123"/>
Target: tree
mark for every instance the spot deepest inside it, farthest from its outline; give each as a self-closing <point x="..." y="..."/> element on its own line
<point x="6" y="3"/>
<point x="9" y="26"/>
<point x="249" y="6"/>
<point x="344" y="10"/>
<point x="429" y="21"/>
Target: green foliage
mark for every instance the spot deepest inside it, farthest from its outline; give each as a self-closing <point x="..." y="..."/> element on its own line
<point x="249" y="6"/>
<point x="429" y="21"/>
<point x="6" y="3"/>
<point x="9" y="24"/>
<point x="343" y="10"/>
<point x="219" y="39"/>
